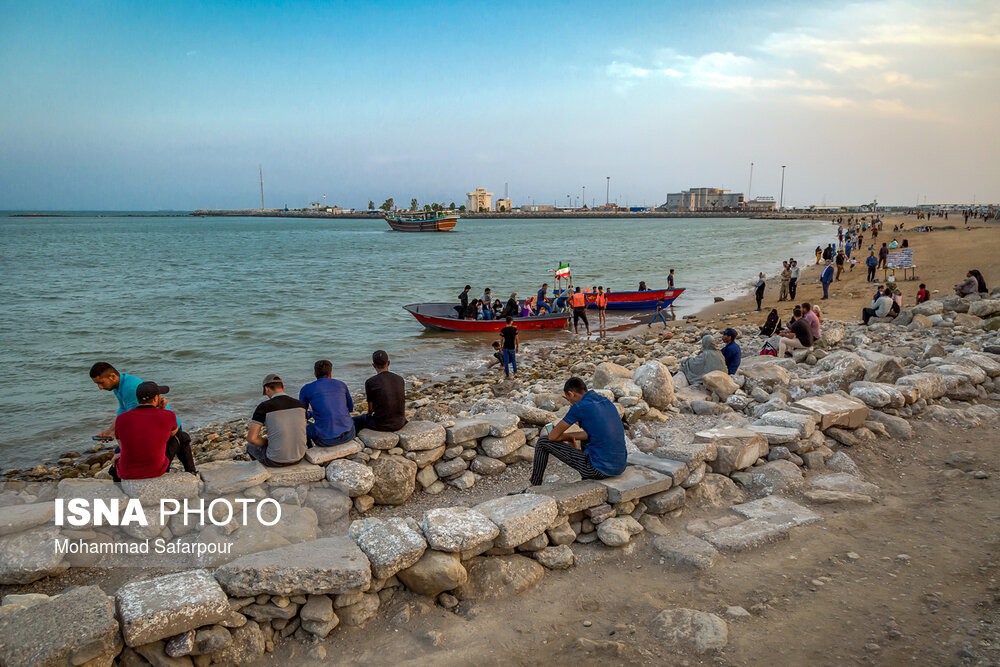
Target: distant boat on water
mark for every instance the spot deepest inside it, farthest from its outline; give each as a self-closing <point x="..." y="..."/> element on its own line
<point x="422" y="221"/>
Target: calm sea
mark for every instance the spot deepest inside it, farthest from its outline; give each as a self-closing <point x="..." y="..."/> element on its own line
<point x="209" y="306"/>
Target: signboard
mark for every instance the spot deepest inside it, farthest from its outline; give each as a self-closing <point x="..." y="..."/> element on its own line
<point x="901" y="259"/>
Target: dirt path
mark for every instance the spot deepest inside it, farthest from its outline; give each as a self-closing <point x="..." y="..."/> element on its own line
<point x="911" y="580"/>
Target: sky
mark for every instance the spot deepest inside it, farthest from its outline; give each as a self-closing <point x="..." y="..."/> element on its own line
<point x="152" y="106"/>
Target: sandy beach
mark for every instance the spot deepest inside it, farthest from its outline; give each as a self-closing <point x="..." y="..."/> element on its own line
<point x="942" y="258"/>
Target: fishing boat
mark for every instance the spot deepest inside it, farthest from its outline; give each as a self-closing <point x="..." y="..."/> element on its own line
<point x="421" y="221"/>
<point x="645" y="300"/>
<point x="443" y="317"/>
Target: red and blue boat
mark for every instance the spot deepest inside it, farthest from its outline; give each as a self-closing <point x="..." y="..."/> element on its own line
<point x="442" y="317"/>
<point x="644" y="300"/>
<point x="422" y="221"/>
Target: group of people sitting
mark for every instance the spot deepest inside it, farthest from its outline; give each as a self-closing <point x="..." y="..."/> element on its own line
<point x="711" y="358"/>
<point x="887" y="302"/>
<point x="802" y="331"/>
<point x="149" y="434"/>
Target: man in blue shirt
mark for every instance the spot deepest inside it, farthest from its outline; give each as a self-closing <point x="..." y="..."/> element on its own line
<point x="826" y="278"/>
<point x="604" y="455"/>
<point x="329" y="403"/>
<point x="124" y="386"/>
<point x="543" y="301"/>
<point x="731" y="352"/>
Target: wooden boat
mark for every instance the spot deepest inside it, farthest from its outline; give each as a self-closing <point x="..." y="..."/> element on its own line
<point x="645" y="300"/>
<point x="442" y="317"/>
<point x="421" y="221"/>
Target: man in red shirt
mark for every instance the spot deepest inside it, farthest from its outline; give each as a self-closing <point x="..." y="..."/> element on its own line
<point x="145" y="434"/>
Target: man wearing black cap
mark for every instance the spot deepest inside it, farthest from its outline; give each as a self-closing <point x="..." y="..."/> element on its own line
<point x="386" y="394"/>
<point x="731" y="352"/>
<point x="149" y="437"/>
<point x="285" y="419"/>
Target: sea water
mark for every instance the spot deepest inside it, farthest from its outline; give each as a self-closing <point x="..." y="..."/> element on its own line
<point x="209" y="306"/>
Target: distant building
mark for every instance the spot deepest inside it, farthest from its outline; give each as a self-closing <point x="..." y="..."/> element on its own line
<point x="704" y="199"/>
<point x="761" y="204"/>
<point x="479" y="200"/>
<point x="503" y="205"/>
<point x="539" y="208"/>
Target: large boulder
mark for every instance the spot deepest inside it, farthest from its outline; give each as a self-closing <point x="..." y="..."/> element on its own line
<point x="928" y="308"/>
<point x="720" y="383"/>
<point x="736" y="448"/>
<point x="421" y="435"/>
<point x="391" y="545"/>
<point x="804" y="424"/>
<point x="984" y="308"/>
<point x="226" y="478"/>
<point x="607" y="374"/>
<point x="18" y="518"/>
<point x="165" y="606"/>
<point x="519" y="517"/>
<point x="767" y="376"/>
<point x="434" y="573"/>
<point x="78" y="627"/>
<point x="656" y="384"/>
<point x="353" y="478"/>
<point x="928" y="385"/>
<point x="499" y="577"/>
<point x="529" y="414"/>
<point x="458" y="529"/>
<point x="498" y="447"/>
<point x="30" y="556"/>
<point x="395" y="479"/>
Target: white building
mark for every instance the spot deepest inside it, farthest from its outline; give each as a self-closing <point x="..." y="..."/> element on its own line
<point x="761" y="204"/>
<point x="480" y="200"/>
<point x="704" y="199"/>
<point x="503" y="205"/>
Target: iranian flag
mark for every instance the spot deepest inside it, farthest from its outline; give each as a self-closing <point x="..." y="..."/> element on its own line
<point x="562" y="271"/>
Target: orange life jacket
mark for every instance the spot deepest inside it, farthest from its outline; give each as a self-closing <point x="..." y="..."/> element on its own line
<point x="578" y="300"/>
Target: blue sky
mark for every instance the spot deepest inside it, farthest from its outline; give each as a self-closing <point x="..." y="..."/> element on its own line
<point x="137" y="106"/>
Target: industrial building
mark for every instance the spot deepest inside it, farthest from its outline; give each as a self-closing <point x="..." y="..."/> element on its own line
<point x="704" y="199"/>
<point x="480" y="200"/>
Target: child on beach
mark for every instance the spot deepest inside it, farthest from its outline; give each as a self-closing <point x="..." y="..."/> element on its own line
<point x="659" y="314"/>
<point x="497" y="356"/>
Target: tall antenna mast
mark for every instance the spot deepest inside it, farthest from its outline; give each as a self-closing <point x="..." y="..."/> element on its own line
<point x="260" y="168"/>
<point x="750" y="185"/>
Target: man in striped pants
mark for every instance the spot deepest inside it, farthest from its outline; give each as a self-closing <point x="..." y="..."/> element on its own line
<point x="605" y="454"/>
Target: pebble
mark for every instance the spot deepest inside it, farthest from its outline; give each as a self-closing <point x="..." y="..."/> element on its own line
<point x="587" y="624"/>
<point x="851" y="556"/>
<point x="981" y="474"/>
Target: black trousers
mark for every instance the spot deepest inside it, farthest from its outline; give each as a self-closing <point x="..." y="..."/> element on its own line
<point x="565" y="452"/>
<point x="178" y="446"/>
<point x="792" y="284"/>
<point x="871" y="274"/>
<point x="580" y="314"/>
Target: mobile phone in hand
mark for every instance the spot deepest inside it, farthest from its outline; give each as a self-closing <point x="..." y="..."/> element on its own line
<point x="102" y="438"/>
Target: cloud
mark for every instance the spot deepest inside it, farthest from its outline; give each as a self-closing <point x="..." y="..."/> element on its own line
<point x="882" y="57"/>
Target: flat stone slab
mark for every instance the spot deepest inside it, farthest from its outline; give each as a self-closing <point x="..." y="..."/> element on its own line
<point x="746" y="535"/>
<point x="678" y="471"/>
<point x="417" y="436"/>
<point x="328" y="566"/>
<point x="519" y="517"/>
<point x="458" y="529"/>
<point x="835" y="410"/>
<point x="683" y="549"/>
<point x="90" y="489"/>
<point x="169" y="605"/>
<point x="18" y="518"/>
<point x="322" y="455"/>
<point x="76" y="628"/>
<point x="390" y="544"/>
<point x="691" y="453"/>
<point x="177" y="485"/>
<point x="665" y="501"/>
<point x="776" y="435"/>
<point x="302" y="472"/>
<point x="501" y="423"/>
<point x="378" y="439"/>
<point x="804" y="424"/>
<point x="573" y="496"/>
<point x="465" y="430"/>
<point x="634" y="483"/>
<point x="30" y="555"/>
<point x="229" y="478"/>
<point x="845" y="483"/>
<point x="778" y="511"/>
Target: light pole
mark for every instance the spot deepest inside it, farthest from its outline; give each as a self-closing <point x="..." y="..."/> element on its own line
<point x="607" y="193"/>
<point x="781" y="199"/>
<point x="750" y="186"/>
<point x="583" y="199"/>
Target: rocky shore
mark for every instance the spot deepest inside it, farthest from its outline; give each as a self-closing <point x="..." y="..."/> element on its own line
<point x="772" y="444"/>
